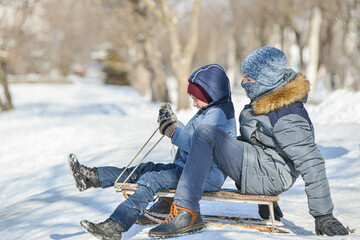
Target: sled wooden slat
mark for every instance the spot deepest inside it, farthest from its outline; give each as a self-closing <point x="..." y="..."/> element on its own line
<point x="224" y="195"/>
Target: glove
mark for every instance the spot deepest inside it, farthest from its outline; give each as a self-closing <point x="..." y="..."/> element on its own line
<point x="329" y="225"/>
<point x="167" y="126"/>
<point x="265" y="214"/>
<point x="167" y="120"/>
<point x="166" y="110"/>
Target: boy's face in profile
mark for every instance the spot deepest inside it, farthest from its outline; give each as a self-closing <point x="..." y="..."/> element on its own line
<point x="197" y="102"/>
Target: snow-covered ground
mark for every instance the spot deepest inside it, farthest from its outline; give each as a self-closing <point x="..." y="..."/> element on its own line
<point x="107" y="125"/>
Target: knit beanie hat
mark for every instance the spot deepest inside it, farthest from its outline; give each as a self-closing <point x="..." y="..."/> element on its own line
<point x="197" y="91"/>
<point x="266" y="66"/>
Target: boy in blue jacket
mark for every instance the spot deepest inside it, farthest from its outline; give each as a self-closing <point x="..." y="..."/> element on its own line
<point x="209" y="88"/>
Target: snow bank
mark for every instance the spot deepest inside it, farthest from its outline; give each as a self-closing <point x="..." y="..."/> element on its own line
<point x="339" y="107"/>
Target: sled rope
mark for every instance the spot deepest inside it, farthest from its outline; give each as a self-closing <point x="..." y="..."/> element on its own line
<point x="122" y="173"/>
<point x="143" y="159"/>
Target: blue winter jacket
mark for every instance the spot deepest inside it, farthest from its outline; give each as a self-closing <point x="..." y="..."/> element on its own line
<point x="219" y="113"/>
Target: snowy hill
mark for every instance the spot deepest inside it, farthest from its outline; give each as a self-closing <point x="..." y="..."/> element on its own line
<point x="107" y="125"/>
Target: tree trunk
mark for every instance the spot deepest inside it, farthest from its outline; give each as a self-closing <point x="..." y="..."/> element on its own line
<point x="182" y="80"/>
<point x="181" y="69"/>
<point x="2" y="107"/>
<point x="64" y="64"/>
<point x="231" y="60"/>
<point x="301" y="50"/>
<point x="159" y="91"/>
<point x="181" y="58"/>
<point x="152" y="61"/>
<point x="212" y="51"/>
<point x="282" y="36"/>
<point x="181" y="61"/>
<point x="140" y="78"/>
<point x="8" y="101"/>
<point x="328" y="44"/>
<point x="314" y="42"/>
<point x="262" y="32"/>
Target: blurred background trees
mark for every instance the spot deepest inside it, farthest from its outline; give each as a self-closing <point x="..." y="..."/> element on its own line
<point x="154" y="45"/>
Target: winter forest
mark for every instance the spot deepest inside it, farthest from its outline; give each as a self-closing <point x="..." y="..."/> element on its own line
<point x="88" y="77"/>
<point x="145" y="43"/>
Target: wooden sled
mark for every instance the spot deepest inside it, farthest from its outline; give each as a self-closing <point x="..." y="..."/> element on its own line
<point x="224" y="195"/>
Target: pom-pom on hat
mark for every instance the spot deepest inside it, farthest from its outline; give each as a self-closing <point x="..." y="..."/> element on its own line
<point x="266" y="66"/>
<point x="197" y="91"/>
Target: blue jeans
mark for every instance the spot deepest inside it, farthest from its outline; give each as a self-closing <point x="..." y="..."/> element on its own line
<point x="208" y="144"/>
<point x="150" y="178"/>
<point x="108" y="175"/>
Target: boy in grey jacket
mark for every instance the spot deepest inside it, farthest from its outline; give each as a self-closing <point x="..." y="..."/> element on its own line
<point x="209" y="88"/>
<point x="275" y="147"/>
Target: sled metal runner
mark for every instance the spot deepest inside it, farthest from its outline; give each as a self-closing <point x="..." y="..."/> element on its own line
<point x="224" y="195"/>
<point x="214" y="220"/>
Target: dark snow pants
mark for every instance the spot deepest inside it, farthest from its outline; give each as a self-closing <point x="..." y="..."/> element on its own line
<point x="150" y="178"/>
<point x="208" y="144"/>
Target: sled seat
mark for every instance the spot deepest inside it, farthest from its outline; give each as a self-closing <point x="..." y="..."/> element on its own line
<point x="224" y="195"/>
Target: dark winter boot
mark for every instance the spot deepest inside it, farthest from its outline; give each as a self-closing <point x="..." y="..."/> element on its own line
<point x="160" y="207"/>
<point x="108" y="230"/>
<point x="84" y="177"/>
<point x="265" y="214"/>
<point x="179" y="222"/>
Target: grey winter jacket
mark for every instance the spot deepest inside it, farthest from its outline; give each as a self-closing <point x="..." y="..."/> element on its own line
<point x="279" y="145"/>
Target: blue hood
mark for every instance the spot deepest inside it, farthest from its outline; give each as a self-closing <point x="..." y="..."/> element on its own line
<point x="212" y="78"/>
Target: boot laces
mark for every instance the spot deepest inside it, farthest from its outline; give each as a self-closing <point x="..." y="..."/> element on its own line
<point x="173" y="213"/>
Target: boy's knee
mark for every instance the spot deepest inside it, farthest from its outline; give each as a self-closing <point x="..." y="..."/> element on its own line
<point x="203" y="130"/>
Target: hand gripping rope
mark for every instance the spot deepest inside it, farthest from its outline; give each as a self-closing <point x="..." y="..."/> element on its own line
<point x="122" y="173"/>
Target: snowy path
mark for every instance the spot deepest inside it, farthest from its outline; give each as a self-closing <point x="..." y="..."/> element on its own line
<point x="106" y="125"/>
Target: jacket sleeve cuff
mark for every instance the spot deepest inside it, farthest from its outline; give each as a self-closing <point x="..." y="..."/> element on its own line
<point x="181" y="139"/>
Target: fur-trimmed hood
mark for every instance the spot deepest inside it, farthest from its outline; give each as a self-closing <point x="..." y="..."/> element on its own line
<point x="295" y="90"/>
